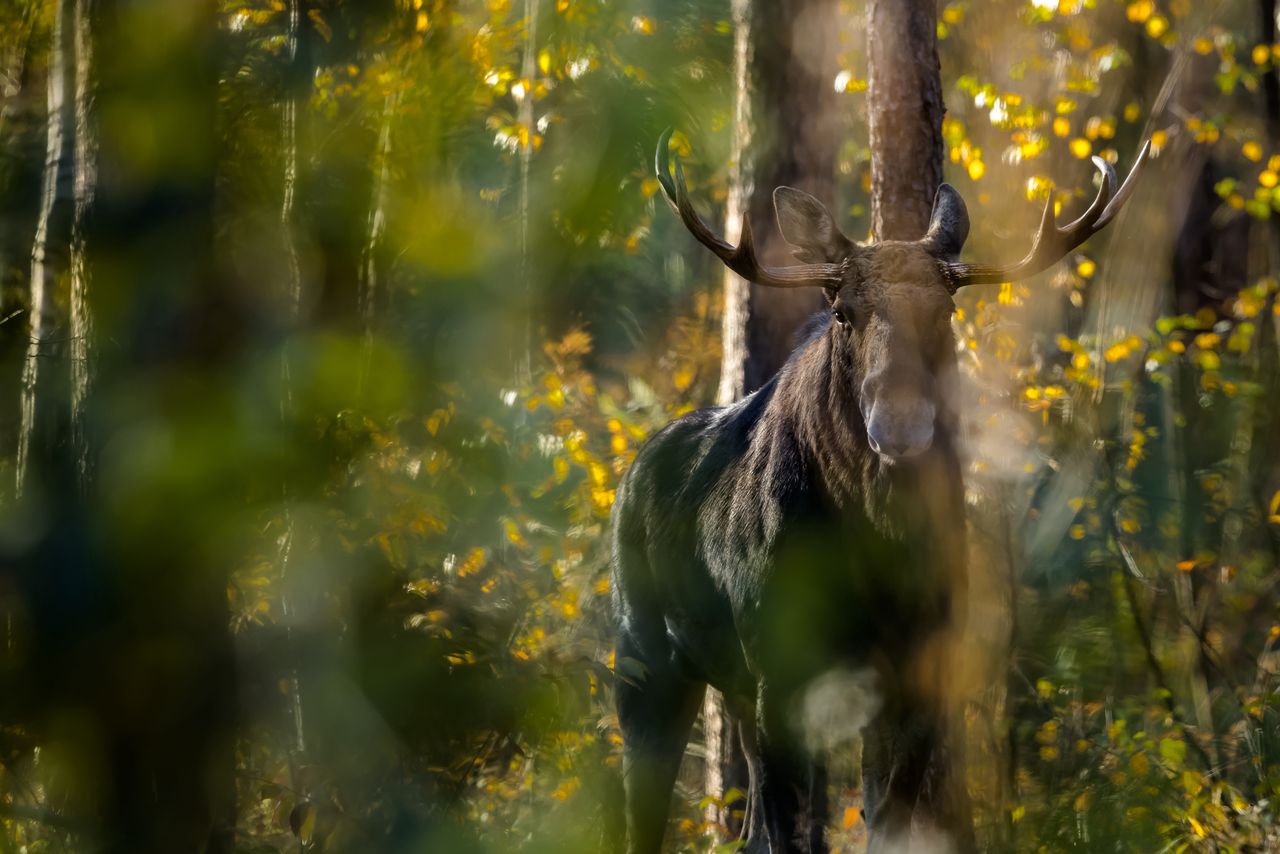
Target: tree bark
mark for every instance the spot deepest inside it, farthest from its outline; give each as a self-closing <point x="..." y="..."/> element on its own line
<point x="784" y="134"/>
<point x="298" y="82"/>
<point x="84" y="180"/>
<point x="47" y="257"/>
<point x="904" y="112"/>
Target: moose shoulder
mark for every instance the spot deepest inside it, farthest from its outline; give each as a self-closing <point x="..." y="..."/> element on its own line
<point x="803" y="549"/>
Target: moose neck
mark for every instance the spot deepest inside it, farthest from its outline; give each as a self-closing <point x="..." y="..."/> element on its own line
<point x="817" y="401"/>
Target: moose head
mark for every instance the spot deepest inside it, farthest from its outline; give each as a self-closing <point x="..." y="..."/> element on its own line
<point x="891" y="301"/>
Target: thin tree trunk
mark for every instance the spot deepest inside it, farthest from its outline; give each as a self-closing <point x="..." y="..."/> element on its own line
<point x="784" y="134"/>
<point x="47" y="256"/>
<point x="370" y="272"/>
<point x="904" y="110"/>
<point x="294" y="102"/>
<point x="528" y="66"/>
<point x="84" y="182"/>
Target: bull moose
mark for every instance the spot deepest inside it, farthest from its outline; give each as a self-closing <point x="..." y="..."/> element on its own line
<point x="812" y="534"/>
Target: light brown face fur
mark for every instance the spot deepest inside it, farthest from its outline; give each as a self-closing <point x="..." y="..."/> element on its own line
<point x="895" y="312"/>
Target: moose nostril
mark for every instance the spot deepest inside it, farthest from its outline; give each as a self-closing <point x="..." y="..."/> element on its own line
<point x="900" y="430"/>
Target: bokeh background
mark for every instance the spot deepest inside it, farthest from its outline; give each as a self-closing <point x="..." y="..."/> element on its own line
<point x="327" y="328"/>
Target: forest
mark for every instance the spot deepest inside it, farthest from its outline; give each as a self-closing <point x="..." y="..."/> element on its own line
<point x="328" y="329"/>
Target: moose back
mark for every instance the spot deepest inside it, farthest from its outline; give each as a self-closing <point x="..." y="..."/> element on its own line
<point x="803" y="549"/>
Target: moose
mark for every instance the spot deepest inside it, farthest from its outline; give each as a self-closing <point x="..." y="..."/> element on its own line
<point x="815" y="527"/>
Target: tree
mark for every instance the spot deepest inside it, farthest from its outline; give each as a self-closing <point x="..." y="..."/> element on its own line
<point x="84" y="182"/>
<point x="904" y="112"/>
<point x="785" y="134"/>
<point x="48" y="259"/>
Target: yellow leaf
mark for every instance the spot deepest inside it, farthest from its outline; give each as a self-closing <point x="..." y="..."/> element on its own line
<point x="1140" y="10"/>
<point x="1186" y="565"/>
<point x="561" y="467"/>
<point x="1252" y="150"/>
<point x="1081" y="147"/>
<point x="683" y="378"/>
<point x="850" y="818"/>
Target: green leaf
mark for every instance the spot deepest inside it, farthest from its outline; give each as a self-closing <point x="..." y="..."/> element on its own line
<point x="1173" y="751"/>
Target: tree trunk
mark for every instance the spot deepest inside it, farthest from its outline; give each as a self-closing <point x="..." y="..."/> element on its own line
<point x="47" y="258"/>
<point x="298" y="77"/>
<point x="371" y="267"/>
<point x="84" y="181"/>
<point x="784" y="134"/>
<point x="904" y="111"/>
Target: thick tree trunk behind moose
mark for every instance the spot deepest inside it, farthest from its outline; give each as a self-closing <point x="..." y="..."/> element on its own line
<point x="904" y="112"/>
<point x="784" y="134"/>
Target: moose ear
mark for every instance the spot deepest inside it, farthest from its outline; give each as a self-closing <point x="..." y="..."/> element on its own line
<point x="806" y="224"/>
<point x="949" y="224"/>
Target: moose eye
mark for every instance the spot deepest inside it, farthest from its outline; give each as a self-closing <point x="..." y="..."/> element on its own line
<point x="838" y="314"/>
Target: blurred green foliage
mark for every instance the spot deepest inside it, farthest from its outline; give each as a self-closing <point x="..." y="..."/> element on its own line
<point x="443" y="307"/>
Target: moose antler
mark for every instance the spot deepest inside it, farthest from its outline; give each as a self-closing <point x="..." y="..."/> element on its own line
<point x="741" y="259"/>
<point x="1052" y="243"/>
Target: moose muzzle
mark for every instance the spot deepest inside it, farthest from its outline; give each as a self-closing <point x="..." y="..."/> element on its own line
<point x="900" y="421"/>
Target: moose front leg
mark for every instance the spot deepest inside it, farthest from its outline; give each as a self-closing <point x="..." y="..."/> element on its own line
<point x="907" y="772"/>
<point x="790" y="785"/>
<point x="655" y="714"/>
